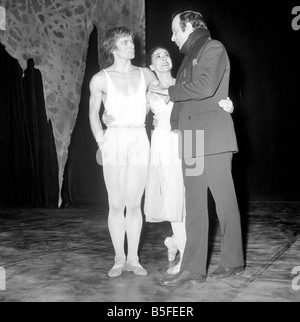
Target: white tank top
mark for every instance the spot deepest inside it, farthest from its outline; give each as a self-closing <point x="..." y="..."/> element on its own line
<point x="127" y="110"/>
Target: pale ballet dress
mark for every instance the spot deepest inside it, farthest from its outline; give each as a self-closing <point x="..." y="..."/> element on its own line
<point x="164" y="194"/>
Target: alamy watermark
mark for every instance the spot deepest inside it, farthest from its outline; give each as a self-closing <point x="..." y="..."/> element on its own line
<point x="2" y="18"/>
<point x="295" y="284"/>
<point x="296" y="20"/>
<point x="2" y="279"/>
<point x="116" y="150"/>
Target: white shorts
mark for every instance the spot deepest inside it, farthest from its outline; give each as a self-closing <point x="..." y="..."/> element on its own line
<point x="125" y="145"/>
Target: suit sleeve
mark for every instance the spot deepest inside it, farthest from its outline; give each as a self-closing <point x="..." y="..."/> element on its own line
<point x="209" y="72"/>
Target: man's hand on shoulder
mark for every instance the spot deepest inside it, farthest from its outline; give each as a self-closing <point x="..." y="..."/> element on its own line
<point x="155" y="88"/>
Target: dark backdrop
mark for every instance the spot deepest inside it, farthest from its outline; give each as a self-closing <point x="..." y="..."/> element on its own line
<point x="264" y="54"/>
<point x="28" y="162"/>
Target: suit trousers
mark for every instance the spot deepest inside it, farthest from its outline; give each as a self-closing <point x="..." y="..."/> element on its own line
<point x="215" y="175"/>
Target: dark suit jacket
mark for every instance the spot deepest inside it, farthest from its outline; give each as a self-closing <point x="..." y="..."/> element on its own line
<point x="202" y="81"/>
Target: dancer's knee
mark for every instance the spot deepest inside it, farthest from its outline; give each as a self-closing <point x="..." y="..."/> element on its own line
<point x="133" y="201"/>
<point x="133" y="211"/>
<point x="116" y="204"/>
<point x="116" y="210"/>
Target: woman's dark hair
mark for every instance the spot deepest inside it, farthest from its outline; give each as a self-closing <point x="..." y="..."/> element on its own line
<point x="151" y="52"/>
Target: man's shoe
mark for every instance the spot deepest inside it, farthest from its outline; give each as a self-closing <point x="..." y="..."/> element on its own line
<point x="222" y="272"/>
<point x="183" y="278"/>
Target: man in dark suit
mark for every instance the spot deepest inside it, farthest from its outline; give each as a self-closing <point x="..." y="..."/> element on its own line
<point x="209" y="141"/>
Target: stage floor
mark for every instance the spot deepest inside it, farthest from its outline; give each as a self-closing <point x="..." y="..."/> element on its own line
<point x="53" y="255"/>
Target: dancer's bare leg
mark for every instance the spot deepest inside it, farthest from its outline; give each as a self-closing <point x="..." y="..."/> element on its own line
<point x="179" y="235"/>
<point x="115" y="180"/>
<point x="136" y="181"/>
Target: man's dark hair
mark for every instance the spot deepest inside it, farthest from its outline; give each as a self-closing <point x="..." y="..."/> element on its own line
<point x="193" y="17"/>
<point x="110" y="39"/>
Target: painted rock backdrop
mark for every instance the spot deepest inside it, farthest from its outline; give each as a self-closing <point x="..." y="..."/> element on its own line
<point x="55" y="34"/>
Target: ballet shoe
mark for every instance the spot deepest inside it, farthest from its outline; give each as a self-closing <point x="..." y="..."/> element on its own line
<point x="172" y="248"/>
<point x="118" y="268"/>
<point x="136" y="268"/>
<point x="175" y="269"/>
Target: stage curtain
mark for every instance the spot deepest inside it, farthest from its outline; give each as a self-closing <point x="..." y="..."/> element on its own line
<point x="28" y="162"/>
